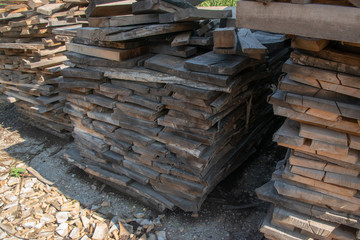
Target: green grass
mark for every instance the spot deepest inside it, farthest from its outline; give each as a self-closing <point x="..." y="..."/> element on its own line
<point x="209" y="3"/>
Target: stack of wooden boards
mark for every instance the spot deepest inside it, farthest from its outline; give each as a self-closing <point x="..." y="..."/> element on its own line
<point x="164" y="128"/>
<point x="31" y="59"/>
<point x="315" y="190"/>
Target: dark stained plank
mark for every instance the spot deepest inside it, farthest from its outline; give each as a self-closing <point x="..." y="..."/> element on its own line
<point x="175" y="66"/>
<point x="218" y="64"/>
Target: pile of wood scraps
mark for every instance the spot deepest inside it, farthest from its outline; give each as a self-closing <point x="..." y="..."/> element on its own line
<point x="156" y="113"/>
<point x="315" y="189"/>
<point x="31" y="59"/>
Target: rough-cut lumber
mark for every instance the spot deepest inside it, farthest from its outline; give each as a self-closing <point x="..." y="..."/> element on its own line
<point x="249" y="43"/>
<point x="125" y="20"/>
<point x="217" y="63"/>
<point x="309" y="44"/>
<point x="181" y="39"/>
<point x="108" y="8"/>
<point x="308" y="20"/>
<point x="225" y="38"/>
<point x="106" y="53"/>
<point x="193" y="14"/>
<point x="129" y="33"/>
<point x="181" y="51"/>
<point x="175" y="66"/>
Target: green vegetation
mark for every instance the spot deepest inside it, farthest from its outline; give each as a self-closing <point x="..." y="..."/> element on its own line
<point x="209" y="3"/>
<point x="16" y="172"/>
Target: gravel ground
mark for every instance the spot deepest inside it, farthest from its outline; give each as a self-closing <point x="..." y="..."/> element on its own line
<point x="231" y="211"/>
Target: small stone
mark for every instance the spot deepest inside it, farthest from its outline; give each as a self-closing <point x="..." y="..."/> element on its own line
<point x="75" y="233"/>
<point x="161" y="235"/>
<point x="143" y="237"/>
<point x="62" y="217"/>
<point x="13" y="181"/>
<point x="47" y="218"/>
<point x="139" y="215"/>
<point x="105" y="204"/>
<point x="93" y="187"/>
<point x="8" y="228"/>
<point x="85" y="221"/>
<point x="63" y="229"/>
<point x="152" y="236"/>
<point x="85" y="238"/>
<point x="113" y="228"/>
<point x="149" y="228"/>
<point x="145" y="222"/>
<point x="101" y="231"/>
<point x="40" y="225"/>
<point x="138" y="231"/>
<point x="123" y="230"/>
<point x="30" y="223"/>
<point x="181" y="229"/>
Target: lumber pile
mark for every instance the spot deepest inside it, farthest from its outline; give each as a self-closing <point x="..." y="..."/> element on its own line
<point x="31" y="47"/>
<point x="163" y="127"/>
<point x="315" y="189"/>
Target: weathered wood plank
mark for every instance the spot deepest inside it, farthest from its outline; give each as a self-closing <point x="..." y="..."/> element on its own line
<point x="175" y="66"/>
<point x="125" y="20"/>
<point x="295" y="20"/>
<point x="106" y="53"/>
<point x="218" y="64"/>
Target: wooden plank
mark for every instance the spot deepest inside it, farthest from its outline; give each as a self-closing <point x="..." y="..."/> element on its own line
<point x="317" y="62"/>
<point x="309" y="44"/>
<point x="249" y="43"/>
<point x="46" y="62"/>
<point x="355" y="3"/>
<point x="106" y="53"/>
<point x="158" y="6"/>
<point x="131" y="32"/>
<point x="181" y="39"/>
<point x="193" y="14"/>
<point x="124" y="20"/>
<point x="109" y="8"/>
<point x="295" y="20"/>
<point x="181" y="51"/>
<point x="218" y="64"/>
<point x="175" y="66"/>
<point x="25" y="46"/>
<point x="316" y="198"/>
<point x="323" y="134"/>
<point x="147" y="75"/>
<point x="321" y="74"/>
<point x="49" y="9"/>
<point x="289" y="133"/>
<point x="93" y="62"/>
<point x="268" y="193"/>
<point x="225" y="37"/>
<point x="82" y="73"/>
<point x="201" y="41"/>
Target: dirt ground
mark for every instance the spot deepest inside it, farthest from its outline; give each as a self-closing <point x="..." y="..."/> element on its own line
<point x="231" y="211"/>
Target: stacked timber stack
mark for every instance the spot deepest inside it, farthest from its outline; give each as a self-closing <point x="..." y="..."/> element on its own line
<point x="31" y="59"/>
<point x="164" y="128"/>
<point x="315" y="190"/>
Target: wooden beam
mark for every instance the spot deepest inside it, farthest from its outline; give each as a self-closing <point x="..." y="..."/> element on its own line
<point x="193" y="14"/>
<point x="309" y="20"/>
<point x="132" y="32"/>
<point x="106" y="53"/>
<point x="125" y="20"/>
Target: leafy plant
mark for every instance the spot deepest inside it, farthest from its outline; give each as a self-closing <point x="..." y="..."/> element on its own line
<point x="16" y="172"/>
